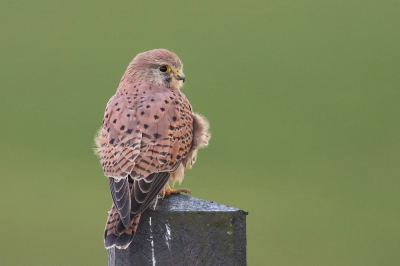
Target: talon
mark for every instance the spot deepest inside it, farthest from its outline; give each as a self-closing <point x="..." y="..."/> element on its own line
<point x="170" y="191"/>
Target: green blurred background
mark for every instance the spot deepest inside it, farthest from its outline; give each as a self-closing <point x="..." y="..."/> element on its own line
<point x="302" y="97"/>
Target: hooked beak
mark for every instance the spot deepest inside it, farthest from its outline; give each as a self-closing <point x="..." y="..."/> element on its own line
<point x="180" y="76"/>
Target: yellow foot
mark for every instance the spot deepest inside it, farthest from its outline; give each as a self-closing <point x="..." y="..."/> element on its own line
<point x="170" y="191"/>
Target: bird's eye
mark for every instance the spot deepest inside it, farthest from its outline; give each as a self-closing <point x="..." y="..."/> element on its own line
<point x="164" y="69"/>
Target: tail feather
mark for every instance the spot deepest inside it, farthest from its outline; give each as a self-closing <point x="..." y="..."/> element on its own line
<point x="113" y="235"/>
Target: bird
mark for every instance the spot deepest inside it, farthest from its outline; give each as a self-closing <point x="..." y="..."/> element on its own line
<point x="149" y="136"/>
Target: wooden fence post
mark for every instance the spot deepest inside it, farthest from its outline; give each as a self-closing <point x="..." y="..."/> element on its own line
<point x="184" y="230"/>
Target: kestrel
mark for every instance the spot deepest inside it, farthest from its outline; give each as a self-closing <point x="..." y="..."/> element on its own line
<point x="149" y="136"/>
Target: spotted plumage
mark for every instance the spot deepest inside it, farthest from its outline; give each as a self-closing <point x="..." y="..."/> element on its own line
<point x="149" y="136"/>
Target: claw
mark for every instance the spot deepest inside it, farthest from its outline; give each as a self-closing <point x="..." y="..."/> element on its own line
<point x="170" y="191"/>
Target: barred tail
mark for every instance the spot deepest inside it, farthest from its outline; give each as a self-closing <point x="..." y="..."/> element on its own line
<point x="115" y="234"/>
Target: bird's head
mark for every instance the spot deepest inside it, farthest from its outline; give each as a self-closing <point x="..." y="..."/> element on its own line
<point x="158" y="66"/>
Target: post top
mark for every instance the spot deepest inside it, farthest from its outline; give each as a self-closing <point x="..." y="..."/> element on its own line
<point x="183" y="203"/>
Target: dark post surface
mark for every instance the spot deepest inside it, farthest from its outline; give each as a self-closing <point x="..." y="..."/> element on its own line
<point x="184" y="230"/>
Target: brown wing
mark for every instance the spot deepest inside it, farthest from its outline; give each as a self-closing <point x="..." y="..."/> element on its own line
<point x="166" y="123"/>
<point x="146" y="129"/>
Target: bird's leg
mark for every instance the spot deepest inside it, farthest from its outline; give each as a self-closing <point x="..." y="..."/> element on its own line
<point x="168" y="191"/>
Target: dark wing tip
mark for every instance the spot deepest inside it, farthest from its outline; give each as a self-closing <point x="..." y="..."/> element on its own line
<point x="122" y="200"/>
<point x="126" y="220"/>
